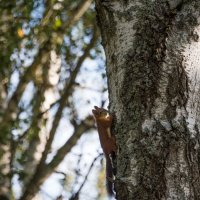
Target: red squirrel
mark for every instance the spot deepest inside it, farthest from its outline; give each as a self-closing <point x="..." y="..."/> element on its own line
<point x="108" y="143"/>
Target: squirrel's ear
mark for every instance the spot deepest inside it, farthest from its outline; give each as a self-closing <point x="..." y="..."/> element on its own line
<point x="97" y="108"/>
<point x="95" y="112"/>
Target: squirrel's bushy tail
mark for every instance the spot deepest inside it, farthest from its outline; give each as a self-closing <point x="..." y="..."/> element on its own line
<point x="109" y="177"/>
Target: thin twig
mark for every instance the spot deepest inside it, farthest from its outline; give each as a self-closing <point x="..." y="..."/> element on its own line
<point x="75" y="196"/>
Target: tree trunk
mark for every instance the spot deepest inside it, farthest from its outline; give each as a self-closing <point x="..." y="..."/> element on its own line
<point x="152" y="50"/>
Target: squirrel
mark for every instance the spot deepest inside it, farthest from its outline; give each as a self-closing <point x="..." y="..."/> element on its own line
<point x="108" y="143"/>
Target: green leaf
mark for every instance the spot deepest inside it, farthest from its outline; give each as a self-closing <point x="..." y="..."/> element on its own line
<point x="57" y="23"/>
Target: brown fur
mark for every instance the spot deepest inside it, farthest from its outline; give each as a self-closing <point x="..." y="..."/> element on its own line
<point x="108" y="143"/>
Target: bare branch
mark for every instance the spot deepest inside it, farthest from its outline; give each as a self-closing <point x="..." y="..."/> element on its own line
<point x="79" y="11"/>
<point x="67" y="92"/>
<point x="76" y="195"/>
<point x="45" y="170"/>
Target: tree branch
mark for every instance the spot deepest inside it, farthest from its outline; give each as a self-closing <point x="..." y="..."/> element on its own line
<point x="67" y="92"/>
<point x="76" y="195"/>
<point x="9" y="114"/>
<point x="44" y="171"/>
<point x="79" y="11"/>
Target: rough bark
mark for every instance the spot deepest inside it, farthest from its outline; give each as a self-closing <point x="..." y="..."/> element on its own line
<point x="152" y="50"/>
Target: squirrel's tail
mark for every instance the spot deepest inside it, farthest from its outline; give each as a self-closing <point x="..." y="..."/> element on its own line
<point x="109" y="177"/>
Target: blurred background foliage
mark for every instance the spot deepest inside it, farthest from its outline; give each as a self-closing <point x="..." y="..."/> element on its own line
<point x="52" y="74"/>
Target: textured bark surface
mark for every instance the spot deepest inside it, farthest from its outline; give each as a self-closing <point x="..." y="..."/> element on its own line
<point x="152" y="50"/>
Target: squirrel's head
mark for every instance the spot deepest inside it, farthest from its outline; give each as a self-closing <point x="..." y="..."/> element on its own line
<point x="102" y="115"/>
